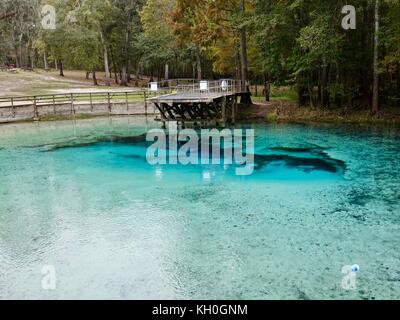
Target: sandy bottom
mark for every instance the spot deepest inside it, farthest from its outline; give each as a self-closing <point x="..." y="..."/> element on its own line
<point x="80" y="197"/>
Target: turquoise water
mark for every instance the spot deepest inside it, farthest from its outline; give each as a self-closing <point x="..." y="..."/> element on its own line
<point x="79" y="196"/>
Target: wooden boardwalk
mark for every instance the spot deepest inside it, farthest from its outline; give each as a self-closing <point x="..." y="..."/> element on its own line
<point x="188" y="101"/>
<point x="213" y="102"/>
<point x="23" y="108"/>
<point x="189" y="97"/>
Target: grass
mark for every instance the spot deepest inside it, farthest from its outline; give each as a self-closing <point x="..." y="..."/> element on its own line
<point x="33" y="83"/>
<point x="305" y="114"/>
<point x="41" y="82"/>
<point x="277" y="94"/>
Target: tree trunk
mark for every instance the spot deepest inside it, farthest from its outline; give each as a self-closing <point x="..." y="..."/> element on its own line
<point x="21" y="62"/>
<point x="124" y="78"/>
<point x="375" y="90"/>
<point x="398" y="83"/>
<point x="116" y="77"/>
<point x="94" y="78"/>
<point x="244" y="53"/>
<point x="159" y="72"/>
<point x="129" y="71"/>
<point x="61" y="68"/>
<point x="267" y="88"/>
<point x="302" y="91"/>
<point x="17" y="61"/>
<point x="166" y="75"/>
<point x="319" y="86"/>
<point x="311" y="94"/>
<point x="46" y="61"/>
<point x="138" y="67"/>
<point x="324" y="85"/>
<point x="198" y="64"/>
<point x="238" y="64"/>
<point x="106" y="64"/>
<point x="114" y="66"/>
<point x="107" y="67"/>
<point x="32" y="57"/>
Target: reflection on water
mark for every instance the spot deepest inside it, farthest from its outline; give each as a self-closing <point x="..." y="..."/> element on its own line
<point x="81" y="197"/>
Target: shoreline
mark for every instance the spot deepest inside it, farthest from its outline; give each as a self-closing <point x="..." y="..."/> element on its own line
<point x="287" y="112"/>
<point x="271" y="112"/>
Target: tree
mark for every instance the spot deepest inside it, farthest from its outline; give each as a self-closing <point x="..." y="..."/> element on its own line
<point x="243" y="45"/>
<point x="19" y="19"/>
<point x="99" y="17"/>
<point x="158" y="42"/>
<point x="129" y="16"/>
<point x="375" y="91"/>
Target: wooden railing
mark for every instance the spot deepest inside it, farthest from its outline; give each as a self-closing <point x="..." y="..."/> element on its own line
<point x="32" y="106"/>
<point x="197" y="86"/>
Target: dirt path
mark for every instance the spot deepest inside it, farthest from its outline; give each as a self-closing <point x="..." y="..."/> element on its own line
<point x="23" y="83"/>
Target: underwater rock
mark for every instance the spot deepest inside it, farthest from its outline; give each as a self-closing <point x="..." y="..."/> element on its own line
<point x="296" y="149"/>
<point x="305" y="164"/>
<point x="317" y="159"/>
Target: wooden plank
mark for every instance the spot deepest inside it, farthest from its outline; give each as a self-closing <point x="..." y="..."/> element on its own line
<point x="190" y="97"/>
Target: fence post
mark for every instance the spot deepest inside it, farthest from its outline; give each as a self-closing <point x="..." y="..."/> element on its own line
<point x="72" y="104"/>
<point x="35" y="111"/>
<point x="127" y="102"/>
<point x="145" y="102"/>
<point x="109" y="102"/>
<point x="12" y="107"/>
<point x="91" y="102"/>
<point x="54" y="104"/>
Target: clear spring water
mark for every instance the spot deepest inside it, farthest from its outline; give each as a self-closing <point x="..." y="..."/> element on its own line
<point x="79" y="196"/>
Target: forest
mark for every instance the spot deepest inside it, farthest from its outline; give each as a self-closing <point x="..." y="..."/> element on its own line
<point x="296" y="43"/>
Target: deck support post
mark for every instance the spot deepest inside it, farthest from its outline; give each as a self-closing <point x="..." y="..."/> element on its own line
<point x="224" y="111"/>
<point x="198" y="108"/>
<point x="234" y="106"/>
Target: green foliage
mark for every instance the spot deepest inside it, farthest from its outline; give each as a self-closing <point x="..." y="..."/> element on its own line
<point x="296" y="43"/>
<point x="303" y="43"/>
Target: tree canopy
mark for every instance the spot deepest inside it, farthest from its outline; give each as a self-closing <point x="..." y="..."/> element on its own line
<point x="286" y="42"/>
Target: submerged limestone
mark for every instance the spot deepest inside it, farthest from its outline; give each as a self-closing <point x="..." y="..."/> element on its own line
<point x="303" y="158"/>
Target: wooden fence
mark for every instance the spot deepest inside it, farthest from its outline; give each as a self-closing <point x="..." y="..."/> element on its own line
<point x="113" y="102"/>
